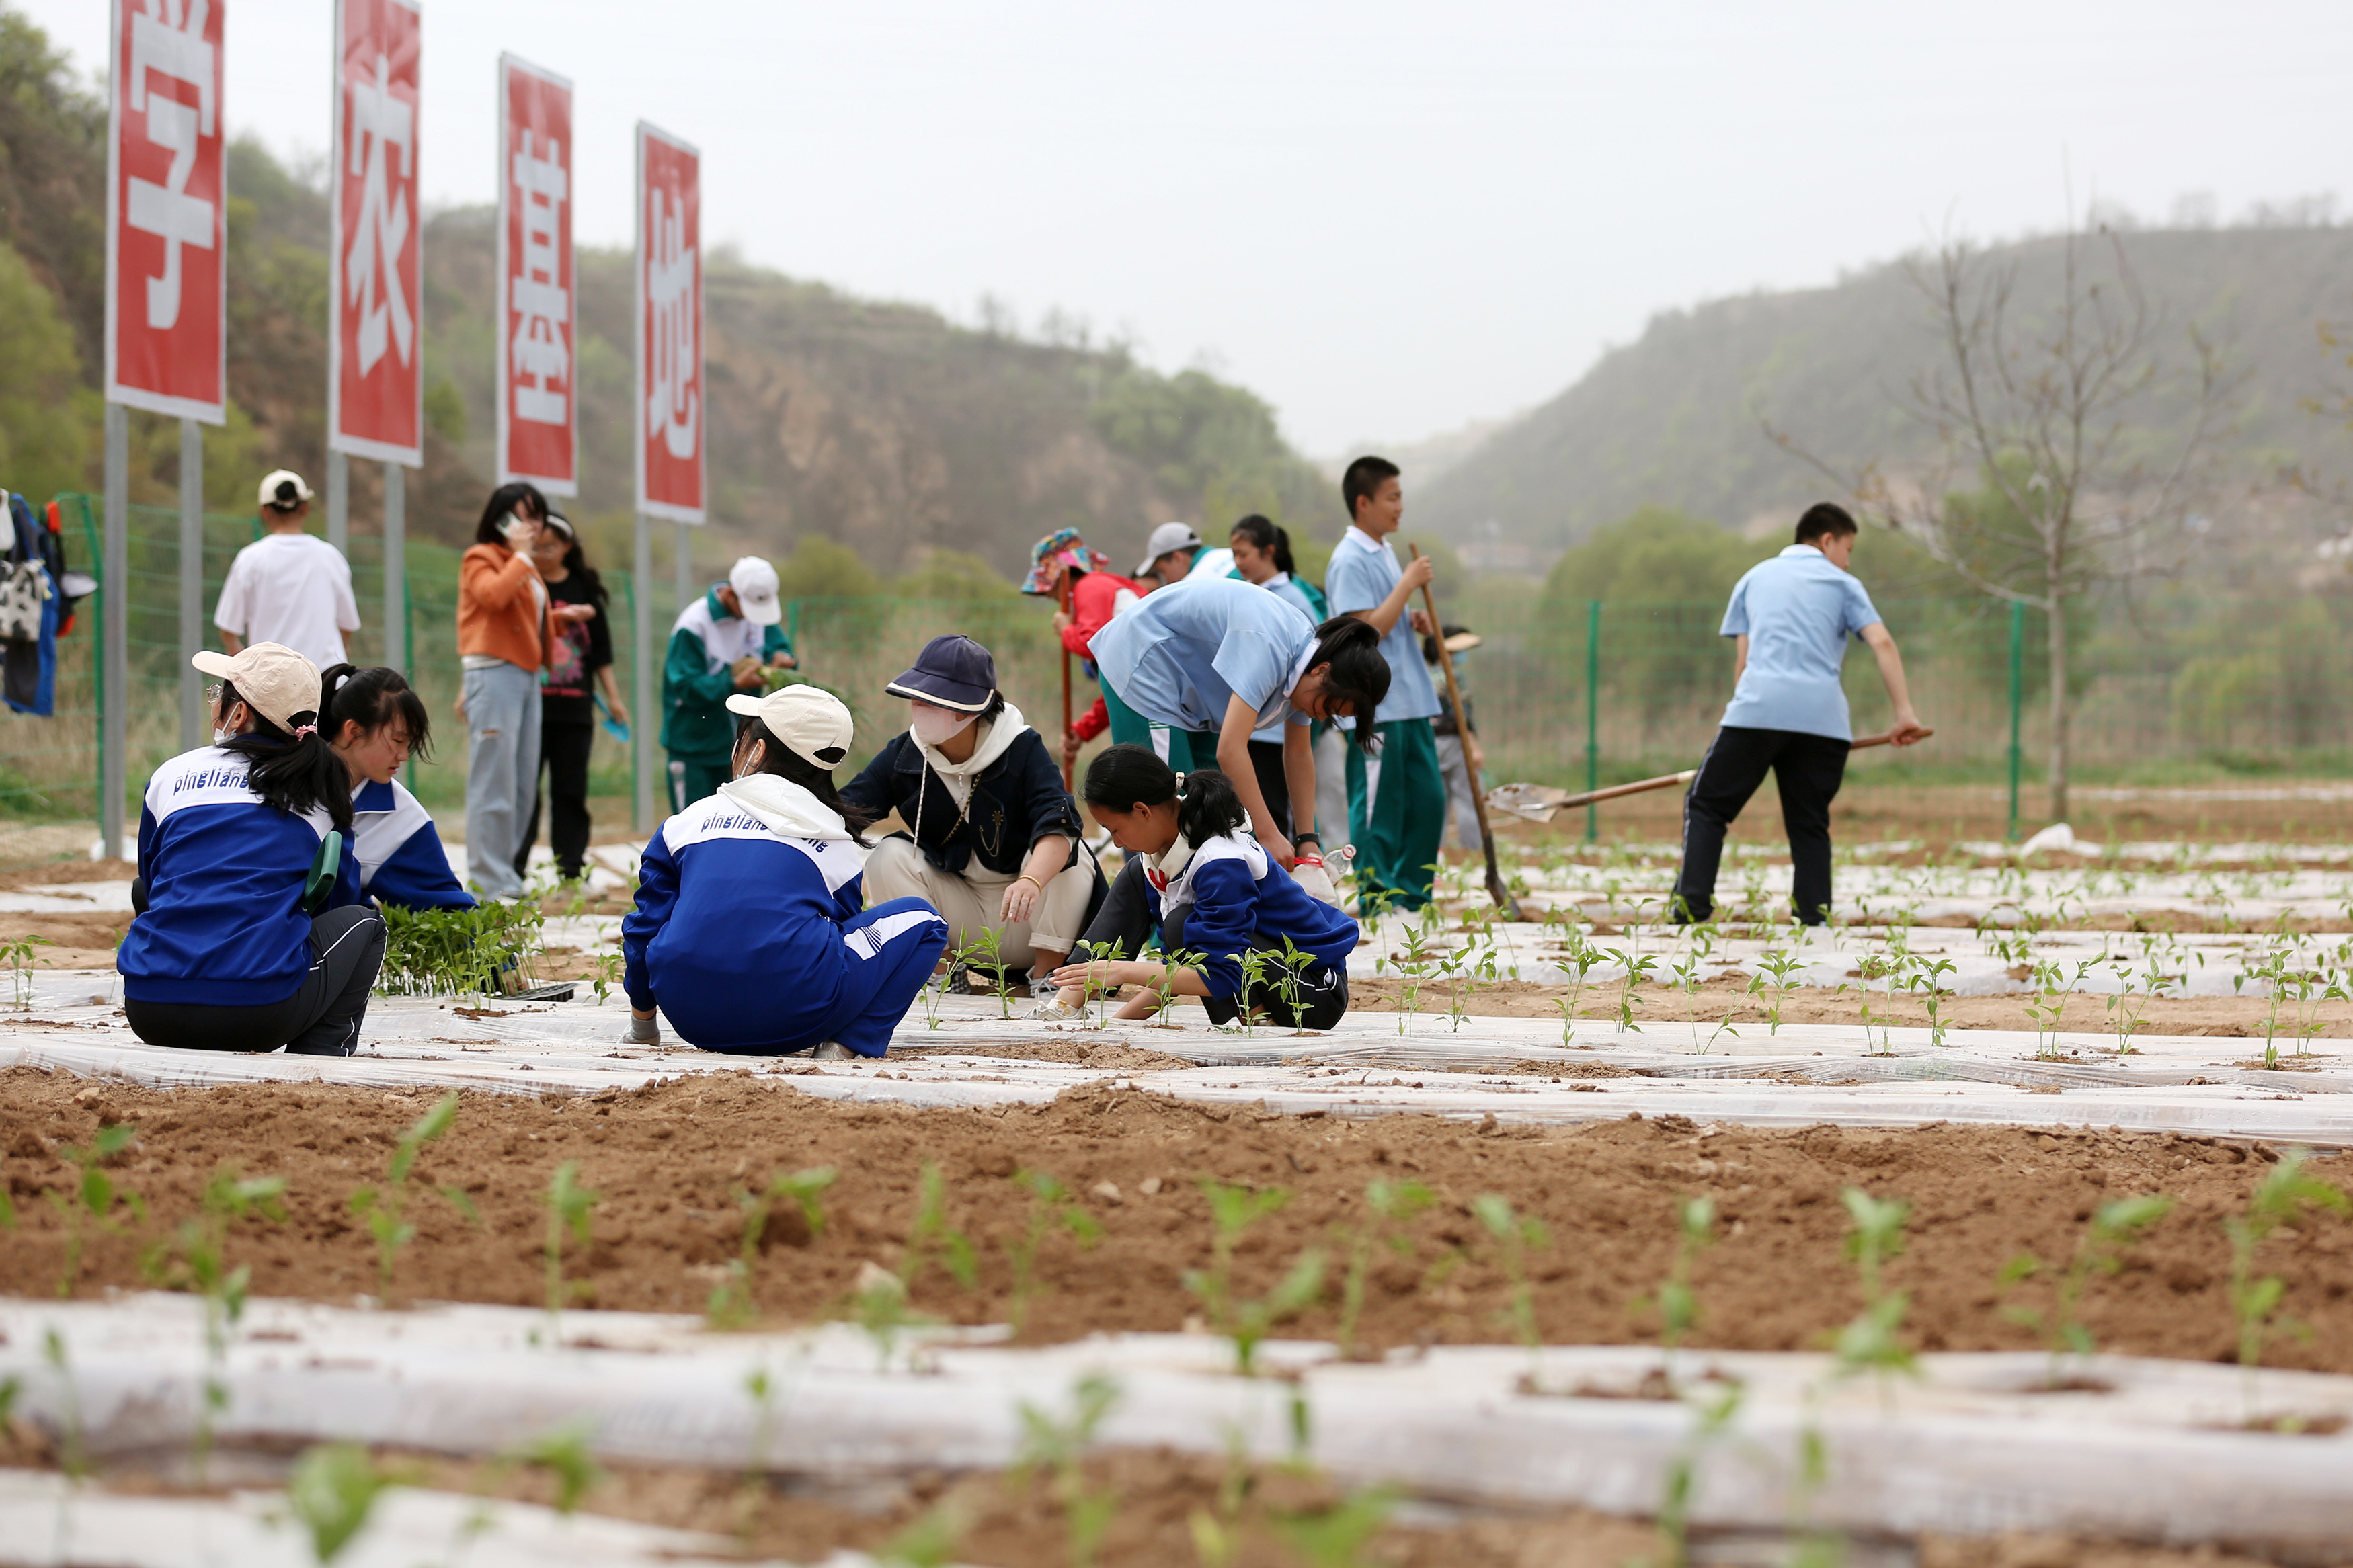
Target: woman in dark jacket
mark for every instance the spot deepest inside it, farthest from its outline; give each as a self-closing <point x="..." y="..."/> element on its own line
<point x="994" y="841"/>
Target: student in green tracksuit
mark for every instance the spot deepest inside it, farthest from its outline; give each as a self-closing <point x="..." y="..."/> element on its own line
<point x="717" y="647"/>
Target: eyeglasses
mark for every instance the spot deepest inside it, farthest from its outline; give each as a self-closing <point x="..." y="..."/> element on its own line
<point x="212" y="695"/>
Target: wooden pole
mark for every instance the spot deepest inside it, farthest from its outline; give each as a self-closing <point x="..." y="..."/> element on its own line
<point x="1062" y="596"/>
<point x="1495" y="889"/>
<point x="1668" y="781"/>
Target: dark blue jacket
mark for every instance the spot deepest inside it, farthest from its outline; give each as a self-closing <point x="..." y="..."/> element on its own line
<point x="1234" y="900"/>
<point x="1015" y="801"/>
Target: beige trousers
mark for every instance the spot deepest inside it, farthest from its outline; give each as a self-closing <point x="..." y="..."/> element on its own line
<point x="970" y="902"/>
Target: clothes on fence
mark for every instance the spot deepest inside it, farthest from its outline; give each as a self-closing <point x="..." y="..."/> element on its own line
<point x="1363" y="573"/>
<point x="222" y="873"/>
<point x="1797" y="610"/>
<point x="747" y="931"/>
<point x="1807" y="769"/>
<point x="321" y="1018"/>
<point x="1397" y="806"/>
<point x="1179" y="658"/>
<point x="294" y="589"/>
<point x="402" y="860"/>
<point x="1222" y="899"/>
<point x="705" y="641"/>
<point x="501" y="771"/>
<point x="32" y="607"/>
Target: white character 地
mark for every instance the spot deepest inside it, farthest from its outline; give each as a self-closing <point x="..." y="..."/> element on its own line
<point x="673" y="400"/>
<point x="542" y="367"/>
<point x="168" y="39"/>
<point x="372" y="265"/>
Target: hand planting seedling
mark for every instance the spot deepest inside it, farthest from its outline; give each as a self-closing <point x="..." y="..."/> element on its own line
<point x="195" y="1257"/>
<point x="1388" y="1204"/>
<point x="385" y="1210"/>
<point x="1515" y="1236"/>
<point x="1052" y="1207"/>
<point x="2287" y="1191"/>
<point x="1675" y="1303"/>
<point x="2115" y="1226"/>
<point x="1871" y="1343"/>
<point x="94" y="1196"/>
<point x="731" y="1305"/>
<point x="1059" y="1447"/>
<point x="569" y="1208"/>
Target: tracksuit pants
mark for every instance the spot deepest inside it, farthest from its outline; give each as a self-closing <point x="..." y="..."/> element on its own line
<point x="564" y="749"/>
<point x="1177" y="748"/>
<point x="1320" y="992"/>
<point x="1397" y="814"/>
<point x="1807" y="769"/>
<point x="696" y="778"/>
<point x="322" y="1018"/>
<point x="892" y="951"/>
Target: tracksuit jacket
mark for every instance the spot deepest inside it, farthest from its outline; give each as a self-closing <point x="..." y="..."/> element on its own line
<point x="1235" y="899"/>
<point x="704" y="642"/>
<point x="401" y="860"/>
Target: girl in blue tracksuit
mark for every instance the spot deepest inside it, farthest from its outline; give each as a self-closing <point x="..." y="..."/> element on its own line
<point x="1215" y="894"/>
<point x="747" y="929"/>
<point x="244" y="939"/>
<point x="377" y="722"/>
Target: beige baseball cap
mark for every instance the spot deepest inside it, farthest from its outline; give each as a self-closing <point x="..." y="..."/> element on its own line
<point x="275" y="681"/>
<point x="283" y="488"/>
<point x="811" y="720"/>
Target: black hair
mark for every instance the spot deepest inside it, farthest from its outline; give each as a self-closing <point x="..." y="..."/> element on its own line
<point x="371" y="699"/>
<point x="1363" y="482"/>
<point x="1823" y="517"/>
<point x="793" y="768"/>
<point x="1359" y="676"/>
<point x="1430" y="641"/>
<point x="1125" y="776"/>
<point x="996" y="706"/>
<point x="285" y="499"/>
<point x="1269" y="536"/>
<point x="296" y="774"/>
<point x="504" y="499"/>
<point x="576" y="564"/>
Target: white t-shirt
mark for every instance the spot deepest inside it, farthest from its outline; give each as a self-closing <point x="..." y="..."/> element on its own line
<point x="294" y="589"/>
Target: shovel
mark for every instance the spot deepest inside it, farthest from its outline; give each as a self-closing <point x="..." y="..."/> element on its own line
<point x="1495" y="889"/>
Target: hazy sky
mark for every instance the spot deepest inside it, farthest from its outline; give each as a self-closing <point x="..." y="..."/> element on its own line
<point x="1387" y="219"/>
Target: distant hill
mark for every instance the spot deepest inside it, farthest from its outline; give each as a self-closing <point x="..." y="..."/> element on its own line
<point x="882" y="426"/>
<point x="1672" y="419"/>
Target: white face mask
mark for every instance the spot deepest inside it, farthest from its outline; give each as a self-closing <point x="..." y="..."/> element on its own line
<point x="222" y="737"/>
<point x="937" y="726"/>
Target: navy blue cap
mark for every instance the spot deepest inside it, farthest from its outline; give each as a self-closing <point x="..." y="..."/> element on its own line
<point x="951" y="672"/>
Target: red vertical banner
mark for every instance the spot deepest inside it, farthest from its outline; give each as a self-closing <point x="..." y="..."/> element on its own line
<point x="375" y="370"/>
<point x="166" y="224"/>
<point x="539" y="411"/>
<point x="670" y="327"/>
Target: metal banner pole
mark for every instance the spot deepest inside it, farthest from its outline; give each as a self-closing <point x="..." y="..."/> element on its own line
<point x="685" y="565"/>
<point x="1592" y="712"/>
<point x="193" y="727"/>
<point x="396" y="566"/>
<point x="115" y="584"/>
<point x="645" y="697"/>
<point x="339" y="501"/>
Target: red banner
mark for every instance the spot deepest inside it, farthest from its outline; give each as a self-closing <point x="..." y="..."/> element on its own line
<point x="539" y="415"/>
<point x="166" y="231"/>
<point x="670" y="327"/>
<point x="375" y="376"/>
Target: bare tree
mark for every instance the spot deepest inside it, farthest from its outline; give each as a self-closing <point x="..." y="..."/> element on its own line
<point x="2091" y="443"/>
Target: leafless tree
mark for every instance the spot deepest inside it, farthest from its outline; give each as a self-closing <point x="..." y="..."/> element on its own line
<point x="2087" y="430"/>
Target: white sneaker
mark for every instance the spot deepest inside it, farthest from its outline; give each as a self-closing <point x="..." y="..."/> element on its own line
<point x="831" y="1051"/>
<point x="1057" y="1011"/>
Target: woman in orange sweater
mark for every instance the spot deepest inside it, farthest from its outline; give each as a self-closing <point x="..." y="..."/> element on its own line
<point x="503" y="634"/>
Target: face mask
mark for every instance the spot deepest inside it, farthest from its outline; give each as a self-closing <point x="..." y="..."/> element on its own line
<point x="935" y="726"/>
<point x="222" y="737"/>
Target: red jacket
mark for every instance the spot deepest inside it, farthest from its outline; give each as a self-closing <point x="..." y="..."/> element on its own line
<point x="1092" y="603"/>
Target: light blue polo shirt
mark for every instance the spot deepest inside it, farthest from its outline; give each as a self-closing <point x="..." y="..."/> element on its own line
<point x="1363" y="573"/>
<point x="1797" y="611"/>
<point x="1177" y="657"/>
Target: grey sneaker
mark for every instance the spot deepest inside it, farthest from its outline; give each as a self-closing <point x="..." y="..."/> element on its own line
<point x="832" y="1051"/>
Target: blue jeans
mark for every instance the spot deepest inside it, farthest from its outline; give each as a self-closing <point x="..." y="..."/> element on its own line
<point x="501" y="772"/>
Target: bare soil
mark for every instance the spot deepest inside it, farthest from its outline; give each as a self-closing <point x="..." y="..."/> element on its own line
<point x="671" y="1160"/>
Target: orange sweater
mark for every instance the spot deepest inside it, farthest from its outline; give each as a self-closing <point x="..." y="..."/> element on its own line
<point x="498" y="613"/>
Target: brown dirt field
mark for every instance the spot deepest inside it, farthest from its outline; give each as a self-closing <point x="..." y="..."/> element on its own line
<point x="670" y="1160"/>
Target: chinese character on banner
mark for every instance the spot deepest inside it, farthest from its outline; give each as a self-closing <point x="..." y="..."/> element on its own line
<point x="376" y="377"/>
<point x="166" y="235"/>
<point x="538" y="411"/>
<point x="670" y="327"/>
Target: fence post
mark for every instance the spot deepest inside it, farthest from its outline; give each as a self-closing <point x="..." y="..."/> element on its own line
<point x="114" y="629"/>
<point x="339" y="506"/>
<point x="644" y="696"/>
<point x="1592" y="714"/>
<point x="395" y="567"/>
<point x="194" y="722"/>
<point x="2016" y="663"/>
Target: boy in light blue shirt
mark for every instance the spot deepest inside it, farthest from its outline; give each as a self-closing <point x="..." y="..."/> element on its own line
<point x="1789" y="618"/>
<point x="1397" y="799"/>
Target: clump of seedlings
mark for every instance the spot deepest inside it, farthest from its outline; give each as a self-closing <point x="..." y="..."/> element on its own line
<point x="2115" y="1227"/>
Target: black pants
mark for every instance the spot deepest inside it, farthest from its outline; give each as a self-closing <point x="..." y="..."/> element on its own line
<point x="1807" y="769"/>
<point x="563" y="753"/>
<point x="321" y="1018"/>
<point x="1266" y="761"/>
<point x="1126" y="918"/>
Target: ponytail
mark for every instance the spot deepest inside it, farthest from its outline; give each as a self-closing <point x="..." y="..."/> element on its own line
<point x="1358" y="675"/>
<point x="1208" y="807"/>
<point x="371" y="699"/>
<point x="1125" y="776"/>
<point x="297" y="773"/>
<point x="1265" y="534"/>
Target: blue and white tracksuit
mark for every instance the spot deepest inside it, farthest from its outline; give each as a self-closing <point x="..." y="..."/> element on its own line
<point x="223" y="871"/>
<point x="748" y="934"/>
<point x="401" y="860"/>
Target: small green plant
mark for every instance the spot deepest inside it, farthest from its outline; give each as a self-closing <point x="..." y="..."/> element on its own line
<point x="1336" y="1537"/>
<point x="731" y="1305"/>
<point x="1927" y="982"/>
<point x="879" y="1307"/>
<point x="1515" y="1236"/>
<point x="1675" y="1300"/>
<point x="1580" y="958"/>
<point x="930" y="1541"/>
<point x="333" y="1490"/>
<point x="92" y="1205"/>
<point x="988" y="948"/>
<point x="1253" y="967"/>
<point x="932" y="1239"/>
<point x="564" y="1456"/>
<point x="2287" y="1191"/>
<point x="1058" y="1446"/>
<point x="1687" y="981"/>
<point x="195" y="1257"/>
<point x="20" y="954"/>
<point x="1873" y="1343"/>
<point x="570" y="1206"/>
<point x="1247" y="1323"/>
<point x="1638" y="968"/>
<point x="2113" y="1227"/>
<point x="1413" y="971"/>
<point x="1053" y="1207"/>
<point x="1294" y="963"/>
<point x="605" y="975"/>
<point x="1778" y="967"/>
<point x="1714" y="1407"/>
<point x="1110" y="952"/>
<point x="386" y="1209"/>
<point x="1388" y="1204"/>
<point x="73" y="1453"/>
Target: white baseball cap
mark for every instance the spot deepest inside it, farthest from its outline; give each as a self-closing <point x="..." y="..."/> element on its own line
<point x="283" y="487"/>
<point x="1168" y="536"/>
<point x="274" y="680"/>
<point x="755" y="582"/>
<point x="810" y="719"/>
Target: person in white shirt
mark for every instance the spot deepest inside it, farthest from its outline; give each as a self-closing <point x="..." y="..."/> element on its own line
<point x="288" y="586"/>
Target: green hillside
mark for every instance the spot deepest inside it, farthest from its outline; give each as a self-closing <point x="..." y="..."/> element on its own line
<point x="1675" y="418"/>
